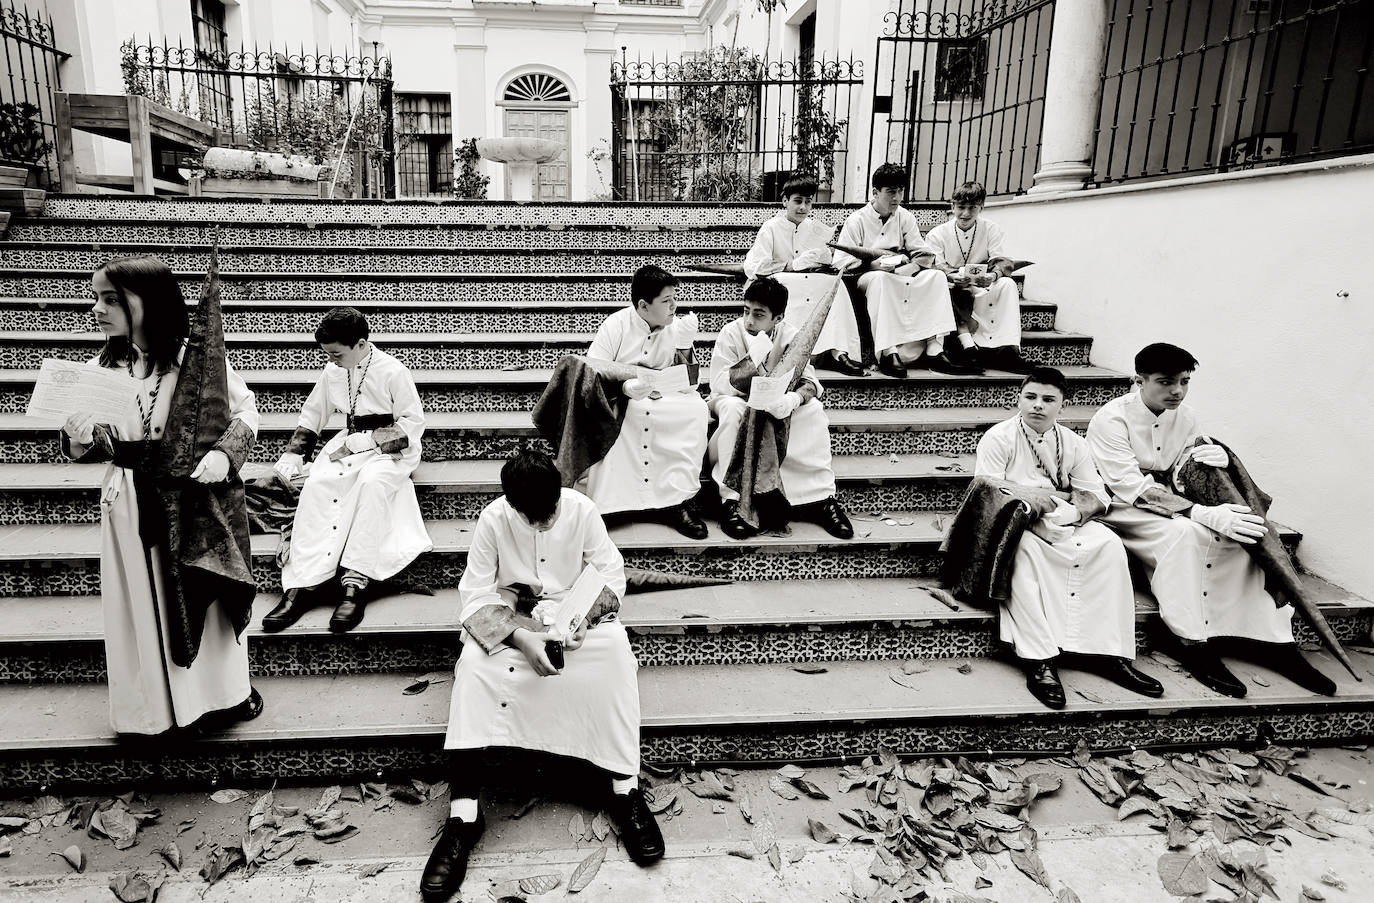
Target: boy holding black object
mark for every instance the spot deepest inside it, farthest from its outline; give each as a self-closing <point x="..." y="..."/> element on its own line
<point x="529" y="546"/>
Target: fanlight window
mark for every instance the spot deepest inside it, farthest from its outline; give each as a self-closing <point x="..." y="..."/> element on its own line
<point x="536" y="87"/>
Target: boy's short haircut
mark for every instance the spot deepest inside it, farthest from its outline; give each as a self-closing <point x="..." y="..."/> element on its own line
<point x="802" y="184"/>
<point x="1048" y="376"/>
<point x="342" y="326"/>
<point x="532" y="484"/>
<point x="970" y="193"/>
<point x="769" y="292"/>
<point x="889" y="175"/>
<point x="1161" y="357"/>
<point x="649" y="281"/>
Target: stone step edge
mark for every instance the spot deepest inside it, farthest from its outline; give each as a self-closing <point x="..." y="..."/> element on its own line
<point x="74" y="717"/>
<point x="153" y="247"/>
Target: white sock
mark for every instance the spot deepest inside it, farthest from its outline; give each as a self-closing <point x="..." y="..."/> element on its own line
<point x="966" y="340"/>
<point x="464" y="809"/>
<point x="622" y="786"/>
<point x="935" y="345"/>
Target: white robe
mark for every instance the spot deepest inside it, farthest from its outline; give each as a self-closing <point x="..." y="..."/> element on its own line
<point x="806" y="472"/>
<point x="656" y="459"/>
<point x="1206" y="585"/>
<point x="997" y="308"/>
<point x="903" y="310"/>
<point x="148" y="693"/>
<point x="591" y="709"/>
<point x="778" y="243"/>
<point x="360" y="512"/>
<point x="1074" y="595"/>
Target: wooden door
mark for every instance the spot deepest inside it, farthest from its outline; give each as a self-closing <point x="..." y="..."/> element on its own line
<point x="551" y="180"/>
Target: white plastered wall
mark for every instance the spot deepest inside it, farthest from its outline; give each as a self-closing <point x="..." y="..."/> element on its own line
<point x="1264" y="277"/>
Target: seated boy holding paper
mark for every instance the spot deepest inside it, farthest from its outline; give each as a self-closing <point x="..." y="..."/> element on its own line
<point x="529" y="547"/>
<point x="807" y="477"/>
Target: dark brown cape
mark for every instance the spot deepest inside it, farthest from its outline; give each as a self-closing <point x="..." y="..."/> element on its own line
<point x="579" y="415"/>
<point x="980" y="545"/>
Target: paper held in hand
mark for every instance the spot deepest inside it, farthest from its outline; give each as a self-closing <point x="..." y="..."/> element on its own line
<point x="668" y="381"/>
<point x="586" y="589"/>
<point x="765" y="390"/>
<point x="65" y="388"/>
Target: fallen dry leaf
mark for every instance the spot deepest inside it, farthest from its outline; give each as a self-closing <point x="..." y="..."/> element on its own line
<point x="810" y="669"/>
<point x="1183" y="874"/>
<point x="708" y="786"/>
<point x="1330" y="880"/>
<point x="539" y="884"/>
<point x="965" y="668"/>
<point x="172" y="853"/>
<point x="586" y="871"/>
<point x="136" y="886"/>
<point x="1028" y="861"/>
<point x="220" y="861"/>
<point x="374" y="868"/>
<point x="577" y="827"/>
<point x="782" y="789"/>
<point x="6" y="846"/>
<point x="526" y="806"/>
<point x="75" y="857"/>
<point x="601" y="826"/>
<point x="746" y="808"/>
<point x="228" y="796"/>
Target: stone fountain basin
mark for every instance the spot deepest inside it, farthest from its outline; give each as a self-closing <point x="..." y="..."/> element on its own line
<point x="518" y="150"/>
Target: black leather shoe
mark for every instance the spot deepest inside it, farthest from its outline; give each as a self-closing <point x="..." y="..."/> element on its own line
<point x="349" y="613"/>
<point x="940" y="363"/>
<point x="832" y="518"/>
<point x="735" y="526"/>
<point x="891" y="365"/>
<point x="448" y="862"/>
<point x="685" y="520"/>
<point x="293" y="604"/>
<point x="1289" y="661"/>
<point x="1202" y="662"/>
<point x="1008" y="357"/>
<point x="224" y="719"/>
<point x="1121" y="671"/>
<point x="839" y="362"/>
<point x="1043" y="681"/>
<point x="966" y="357"/>
<point x="636" y="826"/>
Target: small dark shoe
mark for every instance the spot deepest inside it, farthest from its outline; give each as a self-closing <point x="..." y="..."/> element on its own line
<point x="940" y="363"/>
<point x="891" y="365"/>
<point x="349" y="613"/>
<point x="1008" y="357"/>
<point x="1043" y="681"/>
<point x="293" y="604"/>
<point x="735" y="526"/>
<point x="1202" y="662"/>
<point x="965" y="357"/>
<point x="636" y="825"/>
<point x="448" y="862"/>
<point x="1121" y="671"/>
<point x="224" y="719"/>
<point x="685" y="520"/>
<point x="839" y="362"/>
<point x="832" y="518"/>
<point x="1289" y="662"/>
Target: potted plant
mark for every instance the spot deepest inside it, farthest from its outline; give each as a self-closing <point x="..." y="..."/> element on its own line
<point x="23" y="149"/>
<point x="469" y="182"/>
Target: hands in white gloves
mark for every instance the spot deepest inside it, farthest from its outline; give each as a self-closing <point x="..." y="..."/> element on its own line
<point x="213" y="468"/>
<point x="1232" y="521"/>
<point x="807" y="260"/>
<point x="1064" y="514"/>
<point x="81" y="428"/>
<point x="1211" y="455"/>
<point x="636" y="388"/>
<point x="785" y="406"/>
<point x="760" y="346"/>
<point x="890" y="262"/>
<point x="289" y="465"/>
<point x="360" y="442"/>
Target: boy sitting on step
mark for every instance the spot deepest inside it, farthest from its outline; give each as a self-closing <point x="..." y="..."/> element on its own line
<point x="357" y="517"/>
<point x="532" y="544"/>
<point x="988" y="306"/>
<point x="1070" y="584"/>
<point x="792" y="248"/>
<point x="807" y="478"/>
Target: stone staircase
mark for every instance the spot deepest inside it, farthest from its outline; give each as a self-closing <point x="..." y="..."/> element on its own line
<point x="800" y="658"/>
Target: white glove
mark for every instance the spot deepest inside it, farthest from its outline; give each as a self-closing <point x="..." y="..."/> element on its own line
<point x="81" y="428"/>
<point x="636" y="388"/>
<point x="760" y="346"/>
<point x="784" y="406"/>
<point x="1211" y="455"/>
<point x="213" y="468"/>
<point x="1231" y="520"/>
<point x="360" y="442"/>
<point x="685" y="329"/>
<point x="1049" y="531"/>
<point x="1064" y="514"/>
<point x="890" y="262"/>
<point x="813" y="258"/>
<point x="289" y="465"/>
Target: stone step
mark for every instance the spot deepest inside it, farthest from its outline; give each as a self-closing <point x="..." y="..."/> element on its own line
<point x="436" y="351"/>
<point x="28" y="201"/>
<point x="64" y="559"/>
<point x="518" y="315"/>
<point x="460" y="436"/>
<point x="59" y="639"/>
<point x="342" y="727"/>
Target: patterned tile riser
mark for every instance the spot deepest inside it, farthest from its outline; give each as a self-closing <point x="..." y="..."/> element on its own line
<point x="392" y="758"/>
<point x="431" y="357"/>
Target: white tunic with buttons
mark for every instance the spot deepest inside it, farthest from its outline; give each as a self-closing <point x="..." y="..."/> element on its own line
<point x="997" y="308"/>
<point x="778" y="243"/>
<point x="1206" y="585"/>
<point x="591" y="709"/>
<point x="657" y="457"/>
<point x="1074" y="595"/>
<point x="359" y="512"/>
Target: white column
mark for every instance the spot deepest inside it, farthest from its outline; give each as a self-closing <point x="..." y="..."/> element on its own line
<point x="596" y="110"/>
<point x="1072" y="89"/>
<point x="470" y="100"/>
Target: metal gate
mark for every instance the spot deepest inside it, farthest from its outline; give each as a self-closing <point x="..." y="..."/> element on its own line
<point x="965" y="93"/>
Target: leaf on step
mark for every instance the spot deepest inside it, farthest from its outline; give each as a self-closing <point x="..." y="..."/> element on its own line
<point x="915" y="666"/>
<point x="820" y="832"/>
<point x="305" y="859"/>
<point x="1136" y="804"/>
<point x="810" y="788"/>
<point x="965" y="668"/>
<point x="708" y="786"/>
<point x="782" y="788"/>
<point x="6" y="846"/>
<point x="905" y="680"/>
<point x="75" y="857"/>
<point x="663" y="797"/>
<point x="764" y="835"/>
<point x="796" y="854"/>
<point x="220" y="861"/>
<point x="997" y="821"/>
<point x="981" y="883"/>
<point x="1310" y="784"/>
<point x="1259" y="680"/>
<point x="1028" y="861"/>
<point x="1046" y="781"/>
<point x="1091" y="697"/>
<point x="1330" y="880"/>
<point x="228" y="796"/>
<point x="373" y="868"/>
<point x="279" y="847"/>
<point x="810" y="669"/>
<point x="1311" y="893"/>
<point x="526" y="806"/>
<point x="10" y="822"/>
<point x="1183" y="874"/>
<point x="586" y="871"/>
<point x="328" y="798"/>
<point x="880" y="868"/>
<point x="539" y="884"/>
<point x="791" y="772"/>
<point x="335" y="833"/>
<point x="740" y="852"/>
<point x="1066" y="895"/>
<point x="136" y="886"/>
<point x="1082" y="753"/>
<point x="746" y="807"/>
<point x="601" y="826"/>
<point x="775" y="857"/>
<point x="172" y="853"/>
<point x="117" y="824"/>
<point x="577" y="827"/>
<point x="416" y="688"/>
<point x="184" y="826"/>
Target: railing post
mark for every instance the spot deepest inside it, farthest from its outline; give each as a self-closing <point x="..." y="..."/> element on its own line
<point x="1072" y="93"/>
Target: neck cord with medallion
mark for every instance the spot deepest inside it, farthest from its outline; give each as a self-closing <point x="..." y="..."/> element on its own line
<point x="973" y="239"/>
<point x="354" y="396"/>
<point x="145" y="414"/>
<point x="1058" y="479"/>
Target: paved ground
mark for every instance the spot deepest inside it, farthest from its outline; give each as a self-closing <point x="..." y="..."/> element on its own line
<point x="1082" y="844"/>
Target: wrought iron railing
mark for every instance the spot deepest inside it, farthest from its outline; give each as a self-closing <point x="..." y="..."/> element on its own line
<point x="302" y="102"/>
<point x="28" y="133"/>
<point x="1231" y="84"/>
<point x="729" y="125"/>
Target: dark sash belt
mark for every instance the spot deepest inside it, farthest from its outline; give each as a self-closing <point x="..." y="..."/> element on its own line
<point x="360" y="422"/>
<point x="141" y="457"/>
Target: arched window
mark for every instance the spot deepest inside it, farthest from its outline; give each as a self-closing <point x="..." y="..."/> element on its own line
<point x="537" y="87"/>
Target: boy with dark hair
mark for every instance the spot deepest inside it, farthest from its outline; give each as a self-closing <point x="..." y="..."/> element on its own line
<point x="528" y="546"/>
<point x="792" y="248"/>
<point x="362" y="476"/>
<point x="807" y="477"/>
<point x="655" y="464"/>
<point x="1206" y="584"/>
<point x="1070" y="585"/>
<point x="908" y="299"/>
<point x="988" y="306"/>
